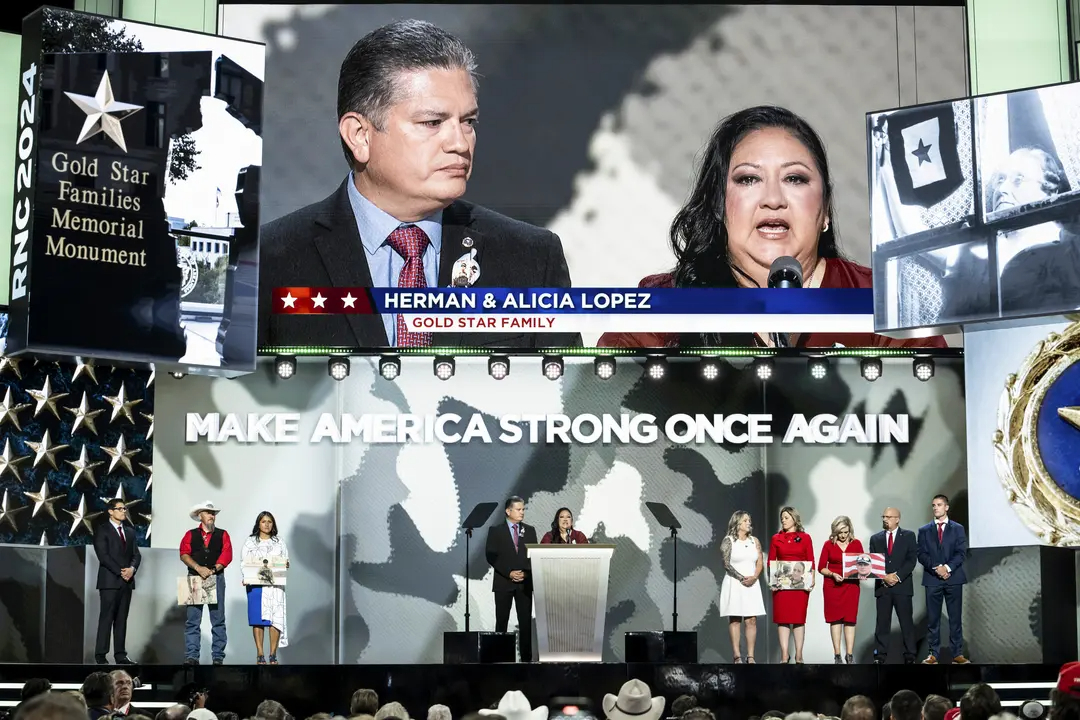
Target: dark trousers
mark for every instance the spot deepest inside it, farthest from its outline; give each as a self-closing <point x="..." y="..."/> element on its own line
<point x="886" y="603"/>
<point x="113" y="616"/>
<point x="521" y="598"/>
<point x="953" y="595"/>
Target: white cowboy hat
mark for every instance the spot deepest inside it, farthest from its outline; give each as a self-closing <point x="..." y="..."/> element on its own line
<point x="515" y="706"/>
<point x="634" y="702"/>
<point x="208" y="506"/>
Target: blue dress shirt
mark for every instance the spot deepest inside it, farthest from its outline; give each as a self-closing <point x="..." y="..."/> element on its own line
<point x="384" y="263"/>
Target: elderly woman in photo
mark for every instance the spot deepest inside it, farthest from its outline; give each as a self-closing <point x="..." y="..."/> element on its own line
<point x="763" y="192"/>
<point x="266" y="603"/>
<point x="841" y="595"/>
<point x="740" y="596"/>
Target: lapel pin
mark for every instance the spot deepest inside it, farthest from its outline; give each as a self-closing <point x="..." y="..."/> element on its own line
<point x="467" y="242"/>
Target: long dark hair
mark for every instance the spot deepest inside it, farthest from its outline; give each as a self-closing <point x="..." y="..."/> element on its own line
<point x="556" y="535"/>
<point x="698" y="235"/>
<point x="273" y="529"/>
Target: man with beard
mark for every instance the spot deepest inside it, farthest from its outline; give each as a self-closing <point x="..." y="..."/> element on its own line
<point x="896" y="590"/>
<point x="207" y="551"/>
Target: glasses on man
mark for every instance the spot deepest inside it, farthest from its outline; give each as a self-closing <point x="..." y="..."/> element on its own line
<point x="118" y="509"/>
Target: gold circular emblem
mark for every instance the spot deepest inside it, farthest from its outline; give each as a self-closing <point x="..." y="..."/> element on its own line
<point x="1040" y="501"/>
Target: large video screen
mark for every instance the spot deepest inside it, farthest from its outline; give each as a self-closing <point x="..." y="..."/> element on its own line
<point x="593" y="123"/>
<point x="975" y="209"/>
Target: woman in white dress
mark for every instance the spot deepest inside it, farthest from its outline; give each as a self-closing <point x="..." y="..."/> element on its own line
<point x="740" y="596"/>
<point x="266" y="603"/>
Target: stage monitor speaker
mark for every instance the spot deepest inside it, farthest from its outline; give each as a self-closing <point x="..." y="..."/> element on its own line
<point x="661" y="647"/>
<point x="479" y="647"/>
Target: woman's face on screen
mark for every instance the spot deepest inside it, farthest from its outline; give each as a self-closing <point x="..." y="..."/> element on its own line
<point x="775" y="201"/>
<point x="565" y="520"/>
<point x="1019" y="181"/>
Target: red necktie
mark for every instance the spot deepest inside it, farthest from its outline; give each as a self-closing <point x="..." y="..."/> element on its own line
<point x="940" y="532"/>
<point x="410" y="242"/>
<point x="123" y="539"/>
<point x="890" y="543"/>
<point x="515" y="536"/>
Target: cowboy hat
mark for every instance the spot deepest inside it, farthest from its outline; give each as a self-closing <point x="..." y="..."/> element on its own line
<point x="634" y="702"/>
<point x="208" y="506"/>
<point x="515" y="706"/>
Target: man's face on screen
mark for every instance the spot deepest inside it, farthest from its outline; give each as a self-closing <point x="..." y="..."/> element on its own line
<point x="422" y="159"/>
<point x="775" y="201"/>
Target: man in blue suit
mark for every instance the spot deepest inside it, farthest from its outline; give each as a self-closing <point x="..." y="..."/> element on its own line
<point x="942" y="549"/>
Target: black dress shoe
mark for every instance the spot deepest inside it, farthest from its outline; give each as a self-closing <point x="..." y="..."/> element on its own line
<point x="125" y="660"/>
<point x="191" y="661"/>
<point x="219" y="661"/>
<point x="100" y="660"/>
<point x="879" y="660"/>
<point x="909" y="661"/>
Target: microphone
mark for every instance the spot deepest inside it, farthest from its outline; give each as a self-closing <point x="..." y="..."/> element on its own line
<point x="785" y="272"/>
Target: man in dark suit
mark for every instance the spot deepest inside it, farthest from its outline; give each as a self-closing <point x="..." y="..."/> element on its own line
<point x="118" y="561"/>
<point x="896" y="589"/>
<point x="942" y="551"/>
<point x="512" y="583"/>
<point x="407" y="112"/>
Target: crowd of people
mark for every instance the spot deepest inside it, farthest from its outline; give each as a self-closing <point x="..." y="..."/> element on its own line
<point x="109" y="696"/>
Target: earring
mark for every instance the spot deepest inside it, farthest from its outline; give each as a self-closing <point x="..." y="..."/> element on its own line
<point x="826" y="228"/>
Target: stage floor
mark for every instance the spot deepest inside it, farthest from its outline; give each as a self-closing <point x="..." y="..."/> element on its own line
<point x="736" y="691"/>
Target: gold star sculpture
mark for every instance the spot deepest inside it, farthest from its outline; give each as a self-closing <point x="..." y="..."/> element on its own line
<point x="120" y="456"/>
<point x="45" y="451"/>
<point x="79" y="518"/>
<point x="9" y="411"/>
<point x="1070" y="415"/>
<point x="84" y="367"/>
<point x="150" y="417"/>
<point x="149" y="524"/>
<point x="121" y="406"/>
<point x="46" y="398"/>
<point x="84" y="470"/>
<point x="7" y="513"/>
<point x="12" y="364"/>
<point x="84" y="415"/>
<point x="121" y="495"/>
<point x="150" y="477"/>
<point x="42" y="500"/>
<point x="9" y="462"/>
<point x="153" y="374"/>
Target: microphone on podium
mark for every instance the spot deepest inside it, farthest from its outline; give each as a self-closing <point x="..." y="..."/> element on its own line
<point x="785" y="272"/>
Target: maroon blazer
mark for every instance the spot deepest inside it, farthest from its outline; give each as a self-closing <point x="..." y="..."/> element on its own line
<point x="576" y="538"/>
<point x="838" y="274"/>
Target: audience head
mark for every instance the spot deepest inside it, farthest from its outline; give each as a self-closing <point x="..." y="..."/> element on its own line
<point x="905" y="705"/>
<point x="201" y="714"/>
<point x="123" y="687"/>
<point x="980" y="702"/>
<point x="935" y="707"/>
<point x="97" y="689"/>
<point x="634" y="702"/>
<point x="683" y="703"/>
<point x="77" y="696"/>
<point x="698" y="713"/>
<point x="886" y="711"/>
<point x="439" y="712"/>
<point x="51" y="706"/>
<point x="176" y="712"/>
<point x="364" y="702"/>
<point x="513" y="705"/>
<point x="271" y="710"/>
<point x="392" y="710"/>
<point x="858" y="707"/>
<point x="227" y="715"/>
<point x="1065" y="698"/>
<point x="801" y="715"/>
<point x="772" y="714"/>
<point x="34" y="687"/>
<point x="1032" y="710"/>
<point x="319" y="716"/>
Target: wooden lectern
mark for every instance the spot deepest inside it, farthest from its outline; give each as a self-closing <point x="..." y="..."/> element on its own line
<point x="570" y="586"/>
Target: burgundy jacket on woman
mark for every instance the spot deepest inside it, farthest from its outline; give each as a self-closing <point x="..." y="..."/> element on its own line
<point x="576" y="537"/>
<point x="838" y="274"/>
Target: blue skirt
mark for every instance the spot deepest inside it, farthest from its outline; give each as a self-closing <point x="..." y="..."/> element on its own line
<point x="255" y="618"/>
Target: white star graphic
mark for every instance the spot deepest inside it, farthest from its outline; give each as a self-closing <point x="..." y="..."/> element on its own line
<point x="103" y="113"/>
<point x="289" y="300"/>
<point x="319" y="301"/>
<point x="349" y="301"/>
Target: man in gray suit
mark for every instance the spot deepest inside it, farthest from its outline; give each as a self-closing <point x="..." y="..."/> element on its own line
<point x="407" y="114"/>
<point x="896" y="590"/>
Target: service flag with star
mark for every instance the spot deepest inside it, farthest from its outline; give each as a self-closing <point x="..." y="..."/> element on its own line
<point x="923" y="153"/>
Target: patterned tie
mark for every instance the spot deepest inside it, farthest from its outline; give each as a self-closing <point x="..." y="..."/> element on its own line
<point x="890" y="542"/>
<point x="410" y="242"/>
<point x="940" y="532"/>
<point x="515" y="536"/>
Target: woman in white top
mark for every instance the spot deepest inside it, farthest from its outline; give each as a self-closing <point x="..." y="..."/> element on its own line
<point x="740" y="596"/>
<point x="266" y="603"/>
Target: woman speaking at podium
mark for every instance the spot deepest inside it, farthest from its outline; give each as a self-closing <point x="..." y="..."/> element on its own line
<point x="562" y="531"/>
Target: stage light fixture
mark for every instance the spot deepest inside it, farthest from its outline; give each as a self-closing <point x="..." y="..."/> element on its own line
<point x="871" y="368"/>
<point x="710" y="368"/>
<point x="177" y="374"/>
<point x="763" y="368"/>
<point x="656" y="368"/>
<point x="923" y="368"/>
<point x="553" y="367"/>
<point x="498" y="366"/>
<point x="819" y="368"/>
<point x="389" y="367"/>
<point x="286" y="366"/>
<point x="604" y="367"/>
<point x="444" y="367"/>
<point x="338" y="367"/>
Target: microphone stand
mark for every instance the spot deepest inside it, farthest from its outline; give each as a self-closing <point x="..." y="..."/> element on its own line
<point x="674" y="579"/>
<point x="468" y="536"/>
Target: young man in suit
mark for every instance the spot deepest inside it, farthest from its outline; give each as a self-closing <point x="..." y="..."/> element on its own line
<point x="118" y="561"/>
<point x="896" y="590"/>
<point x="942" y="550"/>
<point x="512" y="582"/>
<point x="407" y="114"/>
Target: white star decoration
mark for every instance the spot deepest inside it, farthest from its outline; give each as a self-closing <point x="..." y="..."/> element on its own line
<point x="289" y="300"/>
<point x="46" y="398"/>
<point x="349" y="300"/>
<point x="45" y="451"/>
<point x="319" y="300"/>
<point x="120" y="455"/>
<point x="121" y="406"/>
<point x="103" y="113"/>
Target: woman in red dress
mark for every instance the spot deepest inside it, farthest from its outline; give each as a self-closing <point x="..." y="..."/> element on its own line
<point x="789" y="606"/>
<point x="841" y="596"/>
